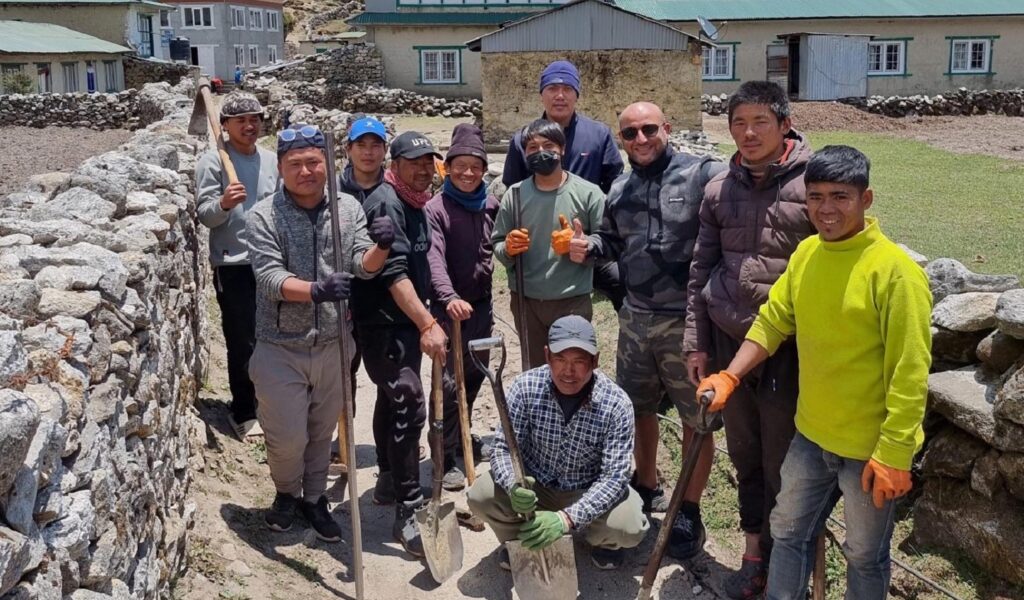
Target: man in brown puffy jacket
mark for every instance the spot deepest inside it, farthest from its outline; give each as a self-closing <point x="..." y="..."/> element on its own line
<point x="752" y="218"/>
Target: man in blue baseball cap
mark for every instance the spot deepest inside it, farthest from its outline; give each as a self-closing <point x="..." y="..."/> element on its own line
<point x="590" y="152"/>
<point x="365" y="145"/>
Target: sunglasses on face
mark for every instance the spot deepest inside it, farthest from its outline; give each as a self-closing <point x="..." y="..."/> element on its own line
<point x="650" y="130"/>
<point x="289" y="135"/>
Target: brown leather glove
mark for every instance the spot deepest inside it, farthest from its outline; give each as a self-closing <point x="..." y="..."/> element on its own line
<point x="517" y="241"/>
<point x="560" y="239"/>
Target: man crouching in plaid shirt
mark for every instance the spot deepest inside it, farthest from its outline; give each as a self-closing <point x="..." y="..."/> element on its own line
<point x="575" y="431"/>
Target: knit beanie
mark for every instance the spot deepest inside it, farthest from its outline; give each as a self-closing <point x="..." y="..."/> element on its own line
<point x="467" y="140"/>
<point x="561" y="71"/>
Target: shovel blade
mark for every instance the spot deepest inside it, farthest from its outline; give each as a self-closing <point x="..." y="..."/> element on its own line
<point x="548" y="574"/>
<point x="442" y="540"/>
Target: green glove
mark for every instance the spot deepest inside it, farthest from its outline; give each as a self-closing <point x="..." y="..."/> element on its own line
<point x="545" y="528"/>
<point x="523" y="499"/>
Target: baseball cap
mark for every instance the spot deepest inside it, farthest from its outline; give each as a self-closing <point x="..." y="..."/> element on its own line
<point x="413" y="144"/>
<point x="366" y="125"/>
<point x="572" y="331"/>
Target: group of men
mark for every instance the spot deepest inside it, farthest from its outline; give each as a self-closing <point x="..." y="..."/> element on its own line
<point x="764" y="269"/>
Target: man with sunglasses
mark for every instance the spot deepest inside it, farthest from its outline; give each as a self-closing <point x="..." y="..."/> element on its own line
<point x="222" y="206"/>
<point x="395" y="329"/>
<point x="590" y="152"/>
<point x="295" y="363"/>
<point x="650" y="225"/>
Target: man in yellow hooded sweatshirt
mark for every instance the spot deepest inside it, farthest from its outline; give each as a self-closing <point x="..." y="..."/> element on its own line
<point x="860" y="309"/>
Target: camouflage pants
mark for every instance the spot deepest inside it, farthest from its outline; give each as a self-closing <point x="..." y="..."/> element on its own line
<point x="651" y="363"/>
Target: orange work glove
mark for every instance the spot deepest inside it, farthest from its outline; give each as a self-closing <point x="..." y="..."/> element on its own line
<point x="560" y="239"/>
<point x="722" y="384"/>
<point x="884" y="482"/>
<point x="517" y="241"/>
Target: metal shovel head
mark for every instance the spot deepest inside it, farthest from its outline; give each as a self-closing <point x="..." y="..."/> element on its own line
<point x="548" y="574"/>
<point x="442" y="540"/>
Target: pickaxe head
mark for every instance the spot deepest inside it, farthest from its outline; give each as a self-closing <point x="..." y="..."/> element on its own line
<point x="199" y="123"/>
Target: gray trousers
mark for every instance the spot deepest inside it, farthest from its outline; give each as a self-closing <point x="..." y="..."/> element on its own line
<point x="540" y="314"/>
<point x="299" y="392"/>
<point x="624" y="526"/>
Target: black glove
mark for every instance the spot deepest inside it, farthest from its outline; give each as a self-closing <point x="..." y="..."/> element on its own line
<point x="382" y="232"/>
<point x="337" y="286"/>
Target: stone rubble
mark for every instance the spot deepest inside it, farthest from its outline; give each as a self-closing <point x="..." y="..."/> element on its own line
<point x="961" y="102"/>
<point x="81" y="109"/>
<point x="102" y="329"/>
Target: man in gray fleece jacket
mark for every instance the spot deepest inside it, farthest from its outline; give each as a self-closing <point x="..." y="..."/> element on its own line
<point x="296" y="366"/>
<point x="222" y="207"/>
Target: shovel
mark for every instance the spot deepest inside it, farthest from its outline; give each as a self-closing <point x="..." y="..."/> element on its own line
<point x="550" y="573"/>
<point x="460" y="389"/>
<point x="206" y="119"/>
<point x="703" y="428"/>
<point x="437" y="523"/>
<point x="346" y="446"/>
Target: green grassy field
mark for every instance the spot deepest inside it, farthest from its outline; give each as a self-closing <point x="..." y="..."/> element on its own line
<point x="966" y="207"/>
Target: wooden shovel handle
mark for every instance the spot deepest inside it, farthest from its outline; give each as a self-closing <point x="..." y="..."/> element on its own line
<point x="460" y="390"/>
<point x="213" y="115"/>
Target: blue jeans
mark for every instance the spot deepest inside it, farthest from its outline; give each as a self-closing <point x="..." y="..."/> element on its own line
<point x="812" y="481"/>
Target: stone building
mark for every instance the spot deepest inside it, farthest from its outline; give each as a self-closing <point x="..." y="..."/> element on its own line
<point x="57" y="59"/>
<point x="622" y="58"/>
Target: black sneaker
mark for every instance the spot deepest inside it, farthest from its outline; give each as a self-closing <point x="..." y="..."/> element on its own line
<point x="481" y="450"/>
<point x="281" y="513"/>
<point x="688" y="535"/>
<point x="607" y="559"/>
<point x="454" y="479"/>
<point x="749" y="582"/>
<point x="319" y="517"/>
<point x="654" y="500"/>
<point x="384" y="489"/>
<point x="405" y="531"/>
<point x="503" y="559"/>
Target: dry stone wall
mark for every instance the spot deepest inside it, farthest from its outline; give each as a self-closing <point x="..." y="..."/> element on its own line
<point x="140" y="71"/>
<point x="355" y="64"/>
<point x="95" y="111"/>
<point x="955" y="103"/>
<point x="972" y="495"/>
<point x="102" y="322"/>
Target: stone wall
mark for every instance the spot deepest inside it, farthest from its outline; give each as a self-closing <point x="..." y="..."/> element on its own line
<point x="611" y="80"/>
<point x="95" y="111"/>
<point x="961" y="102"/>
<point x="355" y="64"/>
<point x="102" y="317"/>
<point x="972" y="497"/>
<point x="140" y="71"/>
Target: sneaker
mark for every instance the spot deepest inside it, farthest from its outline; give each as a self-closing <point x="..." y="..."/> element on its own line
<point x="749" y="582"/>
<point x="481" y="450"/>
<point x="688" y="535"/>
<point x="503" y="559"/>
<point x="654" y="500"/>
<point x="405" y="531"/>
<point x="319" y="517"/>
<point x="384" y="490"/>
<point x="607" y="559"/>
<point x="281" y="513"/>
<point x="454" y="479"/>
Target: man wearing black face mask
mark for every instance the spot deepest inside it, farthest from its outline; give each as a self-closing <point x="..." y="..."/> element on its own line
<point x="558" y="205"/>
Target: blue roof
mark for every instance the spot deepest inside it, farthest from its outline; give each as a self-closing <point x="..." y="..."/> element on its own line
<point x="742" y="10"/>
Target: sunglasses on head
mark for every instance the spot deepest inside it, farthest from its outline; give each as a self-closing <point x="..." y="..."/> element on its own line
<point x="650" y="130"/>
<point x="308" y="131"/>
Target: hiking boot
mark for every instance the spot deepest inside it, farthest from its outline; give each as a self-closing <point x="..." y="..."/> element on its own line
<point x="281" y="513"/>
<point x="405" y="531"/>
<point x="687" y="537"/>
<point x="654" y="500"/>
<point x="607" y="559"/>
<point x="749" y="582"/>
<point x="319" y="517"/>
<point x="503" y="559"/>
<point x="454" y="479"/>
<point x="384" y="489"/>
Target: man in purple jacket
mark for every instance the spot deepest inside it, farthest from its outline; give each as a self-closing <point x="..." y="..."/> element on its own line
<point x="461" y="219"/>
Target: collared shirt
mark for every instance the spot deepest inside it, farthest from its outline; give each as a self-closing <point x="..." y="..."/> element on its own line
<point x="590" y="152"/>
<point x="593" y="452"/>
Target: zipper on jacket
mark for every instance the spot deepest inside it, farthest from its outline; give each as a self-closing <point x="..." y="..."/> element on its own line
<point x="316" y="271"/>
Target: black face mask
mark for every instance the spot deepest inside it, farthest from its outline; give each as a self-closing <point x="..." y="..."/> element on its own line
<point x="543" y="162"/>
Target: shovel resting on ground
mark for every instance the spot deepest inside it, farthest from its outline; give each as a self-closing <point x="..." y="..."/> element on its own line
<point x="550" y="573"/>
<point x="206" y="120"/>
<point x="437" y="522"/>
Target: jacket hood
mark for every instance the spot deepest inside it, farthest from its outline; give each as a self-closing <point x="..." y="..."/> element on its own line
<point x="796" y="157"/>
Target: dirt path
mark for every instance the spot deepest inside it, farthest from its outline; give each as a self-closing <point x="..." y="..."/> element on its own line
<point x="30" y="150"/>
<point x="234" y="556"/>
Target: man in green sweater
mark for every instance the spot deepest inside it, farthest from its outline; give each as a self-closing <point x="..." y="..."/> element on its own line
<point x="551" y="200"/>
<point x="860" y="309"/>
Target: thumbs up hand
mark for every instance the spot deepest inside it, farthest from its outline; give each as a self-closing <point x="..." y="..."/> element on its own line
<point x="560" y="238"/>
<point x="579" y="246"/>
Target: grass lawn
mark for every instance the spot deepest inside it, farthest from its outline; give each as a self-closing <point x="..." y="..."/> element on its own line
<point x="966" y="207"/>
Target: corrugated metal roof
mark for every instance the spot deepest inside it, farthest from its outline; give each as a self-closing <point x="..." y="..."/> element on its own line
<point x="19" y="37"/>
<point x="583" y="25"/>
<point x="436" y="18"/>
<point x="740" y="10"/>
<point x="72" y="2"/>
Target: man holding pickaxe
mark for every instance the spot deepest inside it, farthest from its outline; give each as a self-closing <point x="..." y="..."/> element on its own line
<point x="295" y="364"/>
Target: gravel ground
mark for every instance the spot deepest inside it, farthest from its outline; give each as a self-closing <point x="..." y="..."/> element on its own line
<point x="29" y="151"/>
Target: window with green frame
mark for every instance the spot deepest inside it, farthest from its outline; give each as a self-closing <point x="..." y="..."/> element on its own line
<point x="440" y="65"/>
